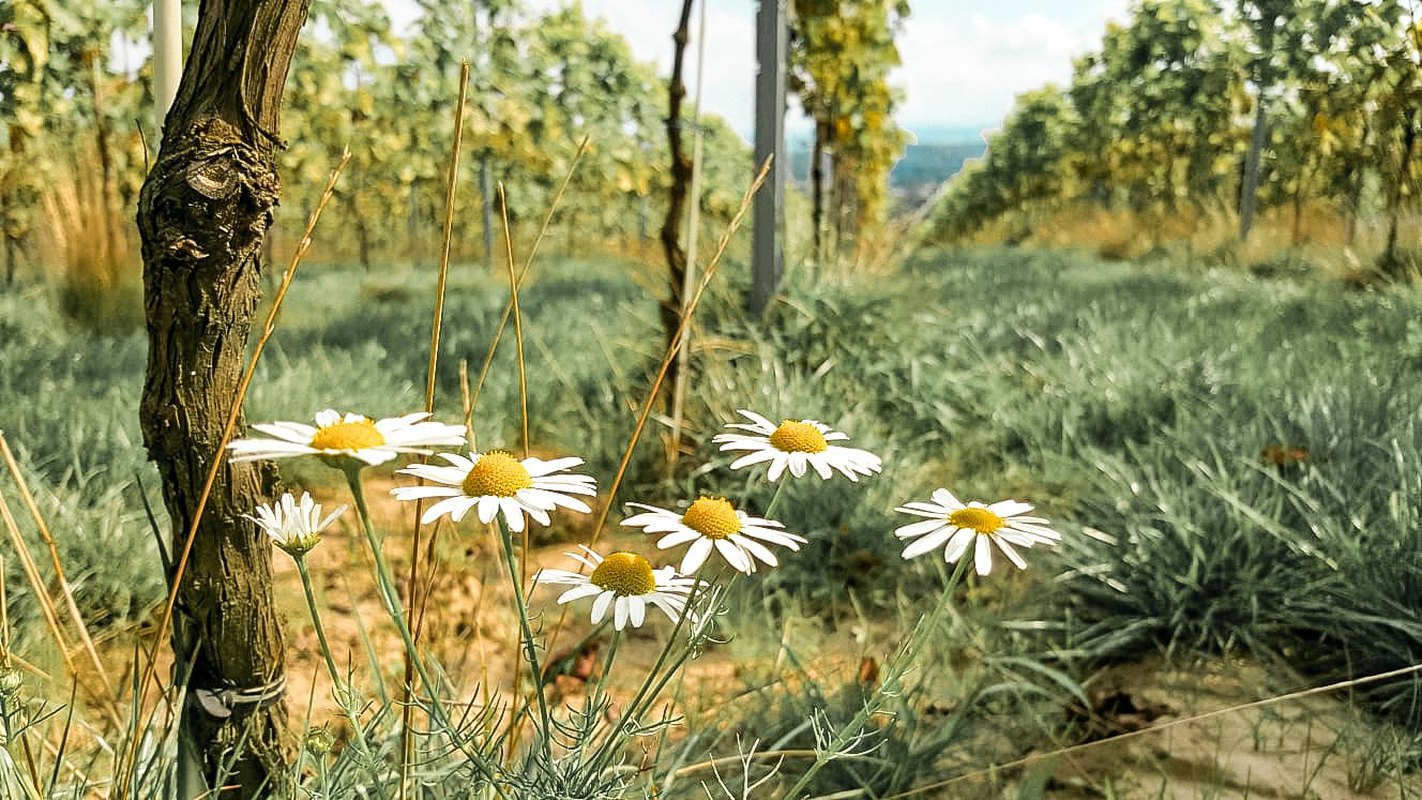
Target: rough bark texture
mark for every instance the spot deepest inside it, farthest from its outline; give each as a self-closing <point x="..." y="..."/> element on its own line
<point x="681" y="182"/>
<point x="203" y="212"/>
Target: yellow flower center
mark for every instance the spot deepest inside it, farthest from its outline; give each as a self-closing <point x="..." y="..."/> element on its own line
<point x="795" y="436"/>
<point x="625" y="574"/>
<point x="978" y="519"/>
<point x="496" y="474"/>
<point x="712" y="517"/>
<point x="356" y="435"/>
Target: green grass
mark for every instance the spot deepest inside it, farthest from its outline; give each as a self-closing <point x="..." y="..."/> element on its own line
<point x="1130" y="403"/>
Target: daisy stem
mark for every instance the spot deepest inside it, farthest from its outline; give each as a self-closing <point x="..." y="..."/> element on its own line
<point x="853" y="730"/>
<point x="651" y="687"/>
<point x="305" y="573"/>
<point x="394" y="608"/>
<point x="774" y="500"/>
<point x="945" y="601"/>
<point x="530" y="650"/>
<point x="599" y="689"/>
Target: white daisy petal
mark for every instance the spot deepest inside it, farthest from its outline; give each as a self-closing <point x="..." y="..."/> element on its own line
<point x="958" y="545"/>
<point x="1009" y="508"/>
<point x="1012" y="554"/>
<point x="677" y="537"/>
<point x="695" y="556"/>
<point x="919" y="528"/>
<point x="488" y="508"/>
<point x="946" y="499"/>
<point x="754" y="458"/>
<point x="927" y="543"/>
<point x="423" y="492"/>
<point x="578" y="593"/>
<point x="755" y="549"/>
<point x="982" y="556"/>
<point x="777" y="468"/>
<point x="599" y="609"/>
<point x="734" y="556"/>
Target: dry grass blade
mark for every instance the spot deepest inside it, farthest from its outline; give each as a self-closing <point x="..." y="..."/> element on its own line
<point x="46" y="603"/>
<point x="523" y="273"/>
<point x="672" y="348"/>
<point x="150" y="670"/>
<point x="515" y="728"/>
<point x="518" y="327"/>
<point x="29" y="500"/>
<point x="7" y="657"/>
<point x="413" y="615"/>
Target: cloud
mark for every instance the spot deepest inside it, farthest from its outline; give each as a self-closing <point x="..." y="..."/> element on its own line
<point x="967" y="69"/>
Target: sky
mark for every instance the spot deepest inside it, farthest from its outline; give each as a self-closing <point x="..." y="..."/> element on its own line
<point x="963" y="60"/>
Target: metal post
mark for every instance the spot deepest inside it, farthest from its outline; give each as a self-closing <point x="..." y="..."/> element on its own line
<point x="167" y="58"/>
<point x="771" y="44"/>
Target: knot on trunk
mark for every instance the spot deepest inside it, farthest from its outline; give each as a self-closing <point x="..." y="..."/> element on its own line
<point x="215" y="194"/>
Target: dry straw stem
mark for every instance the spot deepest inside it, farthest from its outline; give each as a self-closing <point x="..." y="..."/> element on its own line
<point x="8" y="657"/>
<point x="70" y="605"/>
<point x="46" y="602"/>
<point x="522" y="577"/>
<point x="523" y="273"/>
<point x="471" y="400"/>
<point x="412" y="587"/>
<point x="151" y="669"/>
<point x="672" y="347"/>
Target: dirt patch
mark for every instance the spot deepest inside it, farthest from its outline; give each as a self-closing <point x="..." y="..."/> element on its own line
<point x="1307" y="749"/>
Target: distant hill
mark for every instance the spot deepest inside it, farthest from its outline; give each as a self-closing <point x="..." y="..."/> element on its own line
<point x="932" y="163"/>
<point x="938" y="156"/>
<point x="941" y="134"/>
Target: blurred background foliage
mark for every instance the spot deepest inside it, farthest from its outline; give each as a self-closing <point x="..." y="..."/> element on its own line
<point x="1154" y="140"/>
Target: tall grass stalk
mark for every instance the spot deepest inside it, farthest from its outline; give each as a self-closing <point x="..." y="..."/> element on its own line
<point x="76" y="618"/>
<point x="447" y="239"/>
<point x="46" y="603"/>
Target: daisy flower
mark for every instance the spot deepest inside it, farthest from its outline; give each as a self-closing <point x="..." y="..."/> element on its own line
<point x="960" y="525"/>
<point x="295" y="526"/>
<point x="497" y="482"/>
<point x="336" y="436"/>
<point x="624" y="582"/>
<point x="796" y="444"/>
<point x="712" y="522"/>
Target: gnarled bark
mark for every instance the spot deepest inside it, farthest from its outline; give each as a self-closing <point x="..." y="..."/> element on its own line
<point x="204" y="210"/>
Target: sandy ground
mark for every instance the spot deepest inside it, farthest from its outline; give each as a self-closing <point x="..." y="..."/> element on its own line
<point x="1307" y="749"/>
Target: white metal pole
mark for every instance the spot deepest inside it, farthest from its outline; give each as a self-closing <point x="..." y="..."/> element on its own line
<point x="771" y="44"/>
<point x="167" y="57"/>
